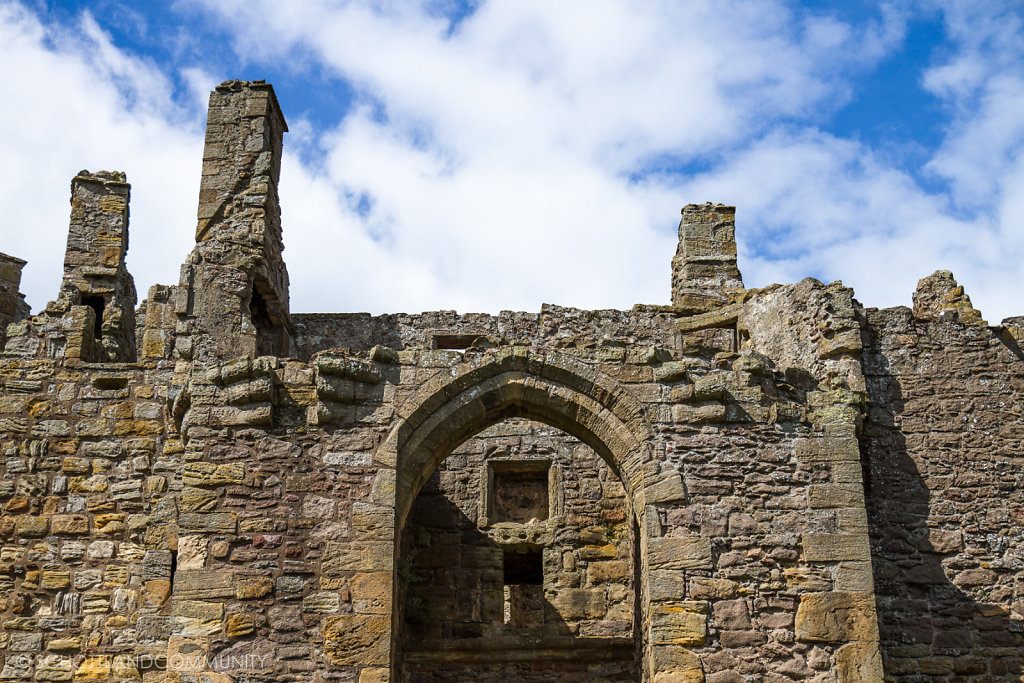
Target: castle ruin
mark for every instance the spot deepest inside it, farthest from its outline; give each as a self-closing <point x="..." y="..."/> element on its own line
<point x="772" y="484"/>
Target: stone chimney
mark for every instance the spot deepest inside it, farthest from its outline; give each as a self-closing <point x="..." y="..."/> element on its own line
<point x="704" y="271"/>
<point x="233" y="296"/>
<point x="97" y="291"/>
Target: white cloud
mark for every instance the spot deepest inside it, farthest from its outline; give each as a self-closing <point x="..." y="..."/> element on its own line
<point x="495" y="165"/>
<point x="73" y="100"/>
<point x="812" y="204"/>
<point x="498" y="176"/>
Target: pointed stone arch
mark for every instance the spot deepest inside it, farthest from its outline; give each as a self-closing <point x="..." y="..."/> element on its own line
<point x="515" y="382"/>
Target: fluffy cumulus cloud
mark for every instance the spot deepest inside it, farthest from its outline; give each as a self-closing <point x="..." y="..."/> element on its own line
<point x="508" y="153"/>
<point x="72" y="101"/>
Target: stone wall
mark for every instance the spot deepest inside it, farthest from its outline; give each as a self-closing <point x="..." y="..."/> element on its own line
<point x="943" y="450"/>
<point x="13" y="307"/>
<point x="743" y="485"/>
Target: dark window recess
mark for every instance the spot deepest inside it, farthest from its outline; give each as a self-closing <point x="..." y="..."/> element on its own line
<point x="520" y="494"/>
<point x="174" y="569"/>
<point x="524" y="567"/>
<point x="265" y="332"/>
<point x="455" y="342"/>
<point x="97" y="304"/>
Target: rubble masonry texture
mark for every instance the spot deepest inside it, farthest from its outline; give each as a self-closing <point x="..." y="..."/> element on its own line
<point x="770" y="484"/>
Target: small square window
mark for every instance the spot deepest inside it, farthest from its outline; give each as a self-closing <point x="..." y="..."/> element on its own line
<point x="523" y="567"/>
<point x="519" y="492"/>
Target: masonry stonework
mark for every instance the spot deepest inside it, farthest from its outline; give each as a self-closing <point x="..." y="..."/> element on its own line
<point x="772" y="484"/>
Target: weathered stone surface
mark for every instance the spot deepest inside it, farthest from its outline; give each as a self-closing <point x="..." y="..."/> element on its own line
<point x="679" y="623"/>
<point x="357" y="640"/>
<point x="836" y="616"/>
<point x="371" y="592"/>
<point x="861" y="661"/>
<point x="679" y="553"/>
<point x="835" y="547"/>
<point x="203" y="585"/>
<point x="251" y="588"/>
<point x="675" y="664"/>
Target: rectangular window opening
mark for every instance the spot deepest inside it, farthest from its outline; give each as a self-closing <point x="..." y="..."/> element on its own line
<point x="455" y="342"/>
<point x="97" y="304"/>
<point x="520" y="492"/>
<point x="524" y="587"/>
<point x="524" y="567"/>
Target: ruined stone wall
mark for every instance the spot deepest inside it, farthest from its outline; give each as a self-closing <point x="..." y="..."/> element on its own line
<point x="93" y="317"/>
<point x="87" y="526"/>
<point x="235" y="514"/>
<point x="233" y="290"/>
<point x="943" y="452"/>
<point x="748" y="484"/>
<point x="556" y="326"/>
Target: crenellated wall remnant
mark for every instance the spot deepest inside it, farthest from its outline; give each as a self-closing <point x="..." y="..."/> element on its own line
<point x="772" y="484"/>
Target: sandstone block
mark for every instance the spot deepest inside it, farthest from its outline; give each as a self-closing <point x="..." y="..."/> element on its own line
<point x="667" y="584"/>
<point x="357" y="556"/>
<point x="675" y="664"/>
<point x="702" y="588"/>
<point x="250" y="588"/>
<point x="321" y="602"/>
<point x="679" y="553"/>
<point x="665" y="488"/>
<point x="860" y="662"/>
<point x="93" y="668"/>
<point x="29" y="526"/>
<point x="357" y="640"/>
<point x="608" y="571"/>
<point x="187" y="654"/>
<point x="239" y="625"/>
<point x="208" y="522"/>
<point x="835" y="495"/>
<point x="731" y="614"/>
<point x="837" y="616"/>
<point x="197" y="609"/>
<point x="375" y="674"/>
<point x="579" y="603"/>
<point x="197" y="584"/>
<point x="836" y="547"/>
<point x="209" y="474"/>
<point x="827" y="450"/>
<point x="679" y="623"/>
<point x="371" y="592"/>
<point x="70" y="525"/>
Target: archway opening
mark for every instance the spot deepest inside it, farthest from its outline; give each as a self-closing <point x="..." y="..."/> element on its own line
<point x="519" y="561"/>
<point x="560" y="392"/>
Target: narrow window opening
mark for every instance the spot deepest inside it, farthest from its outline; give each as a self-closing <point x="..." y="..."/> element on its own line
<point x="97" y="304"/>
<point x="260" y="315"/>
<point x="174" y="570"/>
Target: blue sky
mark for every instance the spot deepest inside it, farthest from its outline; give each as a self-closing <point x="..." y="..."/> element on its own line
<point x="496" y="155"/>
